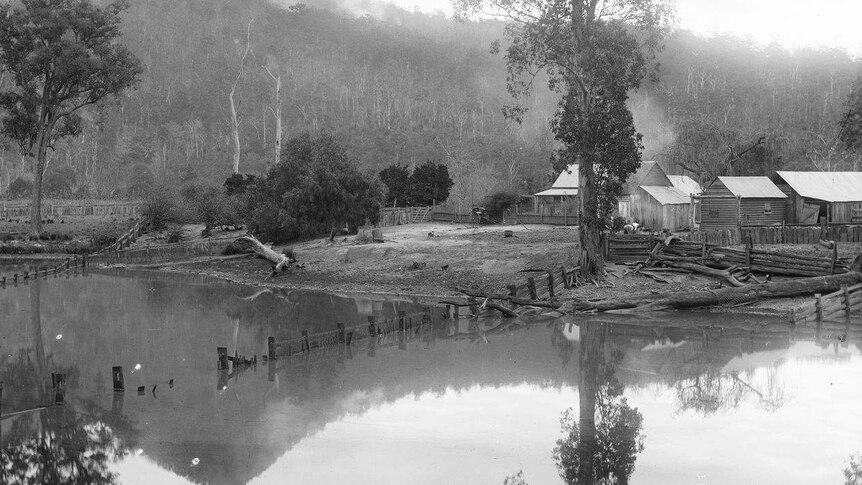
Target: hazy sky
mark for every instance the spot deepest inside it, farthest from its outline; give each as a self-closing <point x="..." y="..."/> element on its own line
<point x="793" y="23"/>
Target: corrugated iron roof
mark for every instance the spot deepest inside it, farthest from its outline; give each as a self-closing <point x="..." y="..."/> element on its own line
<point x="826" y="186"/>
<point x="667" y="195"/>
<point x="752" y="187"/>
<point x="558" y="192"/>
<point x="686" y="184"/>
<point x="568" y="178"/>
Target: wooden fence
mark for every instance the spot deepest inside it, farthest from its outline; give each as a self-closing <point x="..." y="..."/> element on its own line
<point x="396" y="216"/>
<point x="841" y="303"/>
<point x="777" y="235"/>
<point x="69" y="266"/>
<point x="627" y="247"/>
<point x="524" y="218"/>
<point x="62" y="208"/>
<point x="160" y="254"/>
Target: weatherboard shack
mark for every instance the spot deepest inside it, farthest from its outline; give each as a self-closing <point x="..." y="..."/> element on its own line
<point x="732" y="202"/>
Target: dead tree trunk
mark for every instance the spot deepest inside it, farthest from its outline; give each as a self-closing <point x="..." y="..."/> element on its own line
<point x="231" y="97"/>
<point x="277" y="111"/>
<point x="745" y="294"/>
<point x="279" y="261"/>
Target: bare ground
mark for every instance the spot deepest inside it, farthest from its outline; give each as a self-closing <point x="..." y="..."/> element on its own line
<point x="419" y="259"/>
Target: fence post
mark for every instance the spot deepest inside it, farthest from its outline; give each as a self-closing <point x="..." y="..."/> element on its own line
<point x="550" y="284"/>
<point x="846" y="292"/>
<point x="565" y="277"/>
<point x="818" y="305"/>
<point x="531" y="286"/>
<point x="306" y="343"/>
<point x="270" y="348"/>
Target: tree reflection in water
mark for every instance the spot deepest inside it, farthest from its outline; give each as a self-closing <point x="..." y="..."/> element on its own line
<point x="67" y="444"/>
<point x="853" y="472"/>
<point x="601" y="444"/>
<point x="79" y="454"/>
<point x="716" y="391"/>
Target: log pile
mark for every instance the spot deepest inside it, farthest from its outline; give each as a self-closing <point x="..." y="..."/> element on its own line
<point x="760" y="261"/>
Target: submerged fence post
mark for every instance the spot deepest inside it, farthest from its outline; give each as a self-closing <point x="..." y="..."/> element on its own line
<point x="531" y="286"/>
<point x="270" y="348"/>
<point x="306" y="343"/>
<point x="401" y="315"/>
<point x="550" y="284"/>
<point x="818" y="305"/>
<point x="372" y="330"/>
<point x="222" y="358"/>
<point x="340" y="332"/>
<point x="117" y="376"/>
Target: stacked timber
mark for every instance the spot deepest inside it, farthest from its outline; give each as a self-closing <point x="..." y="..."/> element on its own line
<point x="755" y="260"/>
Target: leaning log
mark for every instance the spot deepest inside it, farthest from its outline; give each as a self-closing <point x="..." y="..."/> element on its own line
<point x="517" y="301"/>
<point x="279" y="261"/>
<point x="745" y="294"/>
<point x="699" y="268"/>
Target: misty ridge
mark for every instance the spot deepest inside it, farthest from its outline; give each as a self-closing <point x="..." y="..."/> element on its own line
<point x="400" y="87"/>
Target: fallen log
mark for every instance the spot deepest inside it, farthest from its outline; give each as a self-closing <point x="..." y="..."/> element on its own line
<point x="517" y="301"/>
<point x="777" y="289"/>
<point x="698" y="268"/>
<point x="279" y="261"/>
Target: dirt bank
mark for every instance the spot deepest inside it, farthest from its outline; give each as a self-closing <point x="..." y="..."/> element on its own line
<point x="418" y="259"/>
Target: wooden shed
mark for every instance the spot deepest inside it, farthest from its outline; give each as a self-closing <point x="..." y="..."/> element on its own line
<point x="835" y="197"/>
<point x="649" y="173"/>
<point x="664" y="208"/>
<point x="741" y="201"/>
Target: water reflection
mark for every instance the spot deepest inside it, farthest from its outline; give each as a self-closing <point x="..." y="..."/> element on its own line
<point x="601" y="444"/>
<point x="481" y="396"/>
<point x="47" y="441"/>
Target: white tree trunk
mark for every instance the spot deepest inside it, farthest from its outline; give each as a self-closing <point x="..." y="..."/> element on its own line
<point x="280" y="261"/>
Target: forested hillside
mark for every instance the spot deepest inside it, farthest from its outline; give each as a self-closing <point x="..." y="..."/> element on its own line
<point x="405" y="88"/>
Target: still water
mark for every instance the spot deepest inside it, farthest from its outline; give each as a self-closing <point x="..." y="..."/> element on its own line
<point x="689" y="399"/>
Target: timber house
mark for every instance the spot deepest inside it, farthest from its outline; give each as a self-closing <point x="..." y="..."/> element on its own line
<point x="732" y="202"/>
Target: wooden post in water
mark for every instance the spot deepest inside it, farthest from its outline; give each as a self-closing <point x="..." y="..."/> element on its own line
<point x="531" y="286"/>
<point x="222" y="358"/>
<point x="550" y="284"/>
<point x="846" y="292"/>
<point x="401" y="325"/>
<point x="117" y="377"/>
<point x="818" y="305"/>
<point x="372" y="330"/>
<point x="446" y="312"/>
<point x="270" y="348"/>
<point x="340" y="332"/>
<point x="306" y="343"/>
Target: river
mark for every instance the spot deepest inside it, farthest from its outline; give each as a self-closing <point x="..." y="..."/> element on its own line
<point x="668" y="398"/>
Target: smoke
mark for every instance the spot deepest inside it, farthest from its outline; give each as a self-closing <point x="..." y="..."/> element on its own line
<point x="357" y="8"/>
<point x="652" y="122"/>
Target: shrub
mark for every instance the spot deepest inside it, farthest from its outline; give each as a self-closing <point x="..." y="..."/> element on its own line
<point x="430" y="184"/>
<point x="314" y="189"/>
<point x="161" y="206"/>
<point x="175" y="236"/>
<point x="20" y="188"/>
<point x="498" y="203"/>
<point x="618" y="223"/>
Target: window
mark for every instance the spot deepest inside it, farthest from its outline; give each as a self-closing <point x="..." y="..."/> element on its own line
<point x="767" y="208"/>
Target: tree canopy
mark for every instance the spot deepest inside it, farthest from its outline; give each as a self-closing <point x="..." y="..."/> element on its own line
<point x="315" y="188"/>
<point x="594" y="53"/>
<point x="63" y="56"/>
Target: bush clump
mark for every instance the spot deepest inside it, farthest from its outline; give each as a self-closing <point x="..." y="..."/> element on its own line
<point x="315" y="189"/>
